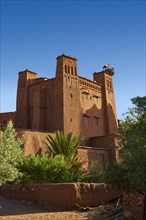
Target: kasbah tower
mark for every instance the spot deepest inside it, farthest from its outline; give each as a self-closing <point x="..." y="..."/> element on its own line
<point x="69" y="103"/>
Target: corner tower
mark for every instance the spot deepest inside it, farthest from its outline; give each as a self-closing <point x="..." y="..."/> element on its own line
<point x="105" y="78"/>
<point x="22" y="98"/>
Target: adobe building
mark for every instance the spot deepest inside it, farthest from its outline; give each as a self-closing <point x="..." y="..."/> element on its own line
<point x="67" y="102"/>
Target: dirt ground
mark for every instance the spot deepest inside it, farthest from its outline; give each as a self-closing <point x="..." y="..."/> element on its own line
<point x="16" y="210"/>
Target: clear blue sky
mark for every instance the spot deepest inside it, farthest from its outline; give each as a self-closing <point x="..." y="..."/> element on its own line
<point x="34" y="33"/>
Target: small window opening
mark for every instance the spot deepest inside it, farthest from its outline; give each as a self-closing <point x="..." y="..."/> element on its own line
<point x="107" y="83"/>
<point x="69" y="69"/>
<point x="65" y="68"/>
<point x="96" y="98"/>
<point x="75" y="71"/>
<point x="96" y="120"/>
<point x="85" y="96"/>
<point x="72" y="70"/>
<point x="86" y="119"/>
<point x="110" y="84"/>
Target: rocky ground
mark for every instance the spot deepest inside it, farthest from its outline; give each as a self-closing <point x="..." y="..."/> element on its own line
<point x="16" y="210"/>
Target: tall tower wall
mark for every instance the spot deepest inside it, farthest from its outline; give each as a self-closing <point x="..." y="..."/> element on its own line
<point x="71" y="96"/>
<point x="57" y="108"/>
<point x="67" y="78"/>
<point x="22" y="98"/>
<point x="109" y="107"/>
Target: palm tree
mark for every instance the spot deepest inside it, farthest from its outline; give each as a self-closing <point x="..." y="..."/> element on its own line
<point x="65" y="144"/>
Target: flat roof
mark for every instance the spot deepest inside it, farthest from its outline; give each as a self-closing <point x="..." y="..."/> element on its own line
<point x="63" y="55"/>
<point x="27" y="70"/>
<point x="91" y="81"/>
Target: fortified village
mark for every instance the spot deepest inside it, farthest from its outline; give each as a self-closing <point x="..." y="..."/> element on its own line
<point x="69" y="103"/>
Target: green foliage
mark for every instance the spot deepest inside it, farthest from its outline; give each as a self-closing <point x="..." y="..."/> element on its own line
<point x="132" y="131"/>
<point x="42" y="169"/>
<point x="130" y="173"/>
<point x="116" y="176"/>
<point x="94" y="173"/>
<point x="66" y="145"/>
<point x="10" y="154"/>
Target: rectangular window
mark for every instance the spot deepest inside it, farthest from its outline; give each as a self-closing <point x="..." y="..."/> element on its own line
<point x="86" y="119"/>
<point x="110" y="84"/>
<point x="96" y="120"/>
<point x="107" y="83"/>
<point x="96" y="98"/>
<point x="85" y="96"/>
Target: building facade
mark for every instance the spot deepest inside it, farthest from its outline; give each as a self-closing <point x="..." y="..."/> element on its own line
<point x="68" y="102"/>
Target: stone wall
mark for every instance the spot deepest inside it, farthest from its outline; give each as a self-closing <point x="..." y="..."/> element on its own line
<point x="61" y="195"/>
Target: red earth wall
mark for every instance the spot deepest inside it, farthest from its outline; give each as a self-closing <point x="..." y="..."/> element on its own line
<point x="61" y="195"/>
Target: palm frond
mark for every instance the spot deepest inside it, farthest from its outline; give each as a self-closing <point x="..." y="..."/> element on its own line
<point x="65" y="144"/>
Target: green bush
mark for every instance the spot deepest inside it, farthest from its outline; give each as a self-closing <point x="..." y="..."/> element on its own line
<point x="66" y="145"/>
<point x="11" y="154"/>
<point x="116" y="176"/>
<point x="94" y="173"/>
<point x="130" y="172"/>
<point x="42" y="169"/>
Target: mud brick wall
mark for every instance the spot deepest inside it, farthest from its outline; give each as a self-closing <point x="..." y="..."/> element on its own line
<point x="92" y="194"/>
<point x="107" y="142"/>
<point x="89" y="154"/>
<point x="5" y="117"/>
<point x="61" y="195"/>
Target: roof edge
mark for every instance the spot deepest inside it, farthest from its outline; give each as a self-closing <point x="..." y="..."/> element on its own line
<point x="63" y="55"/>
